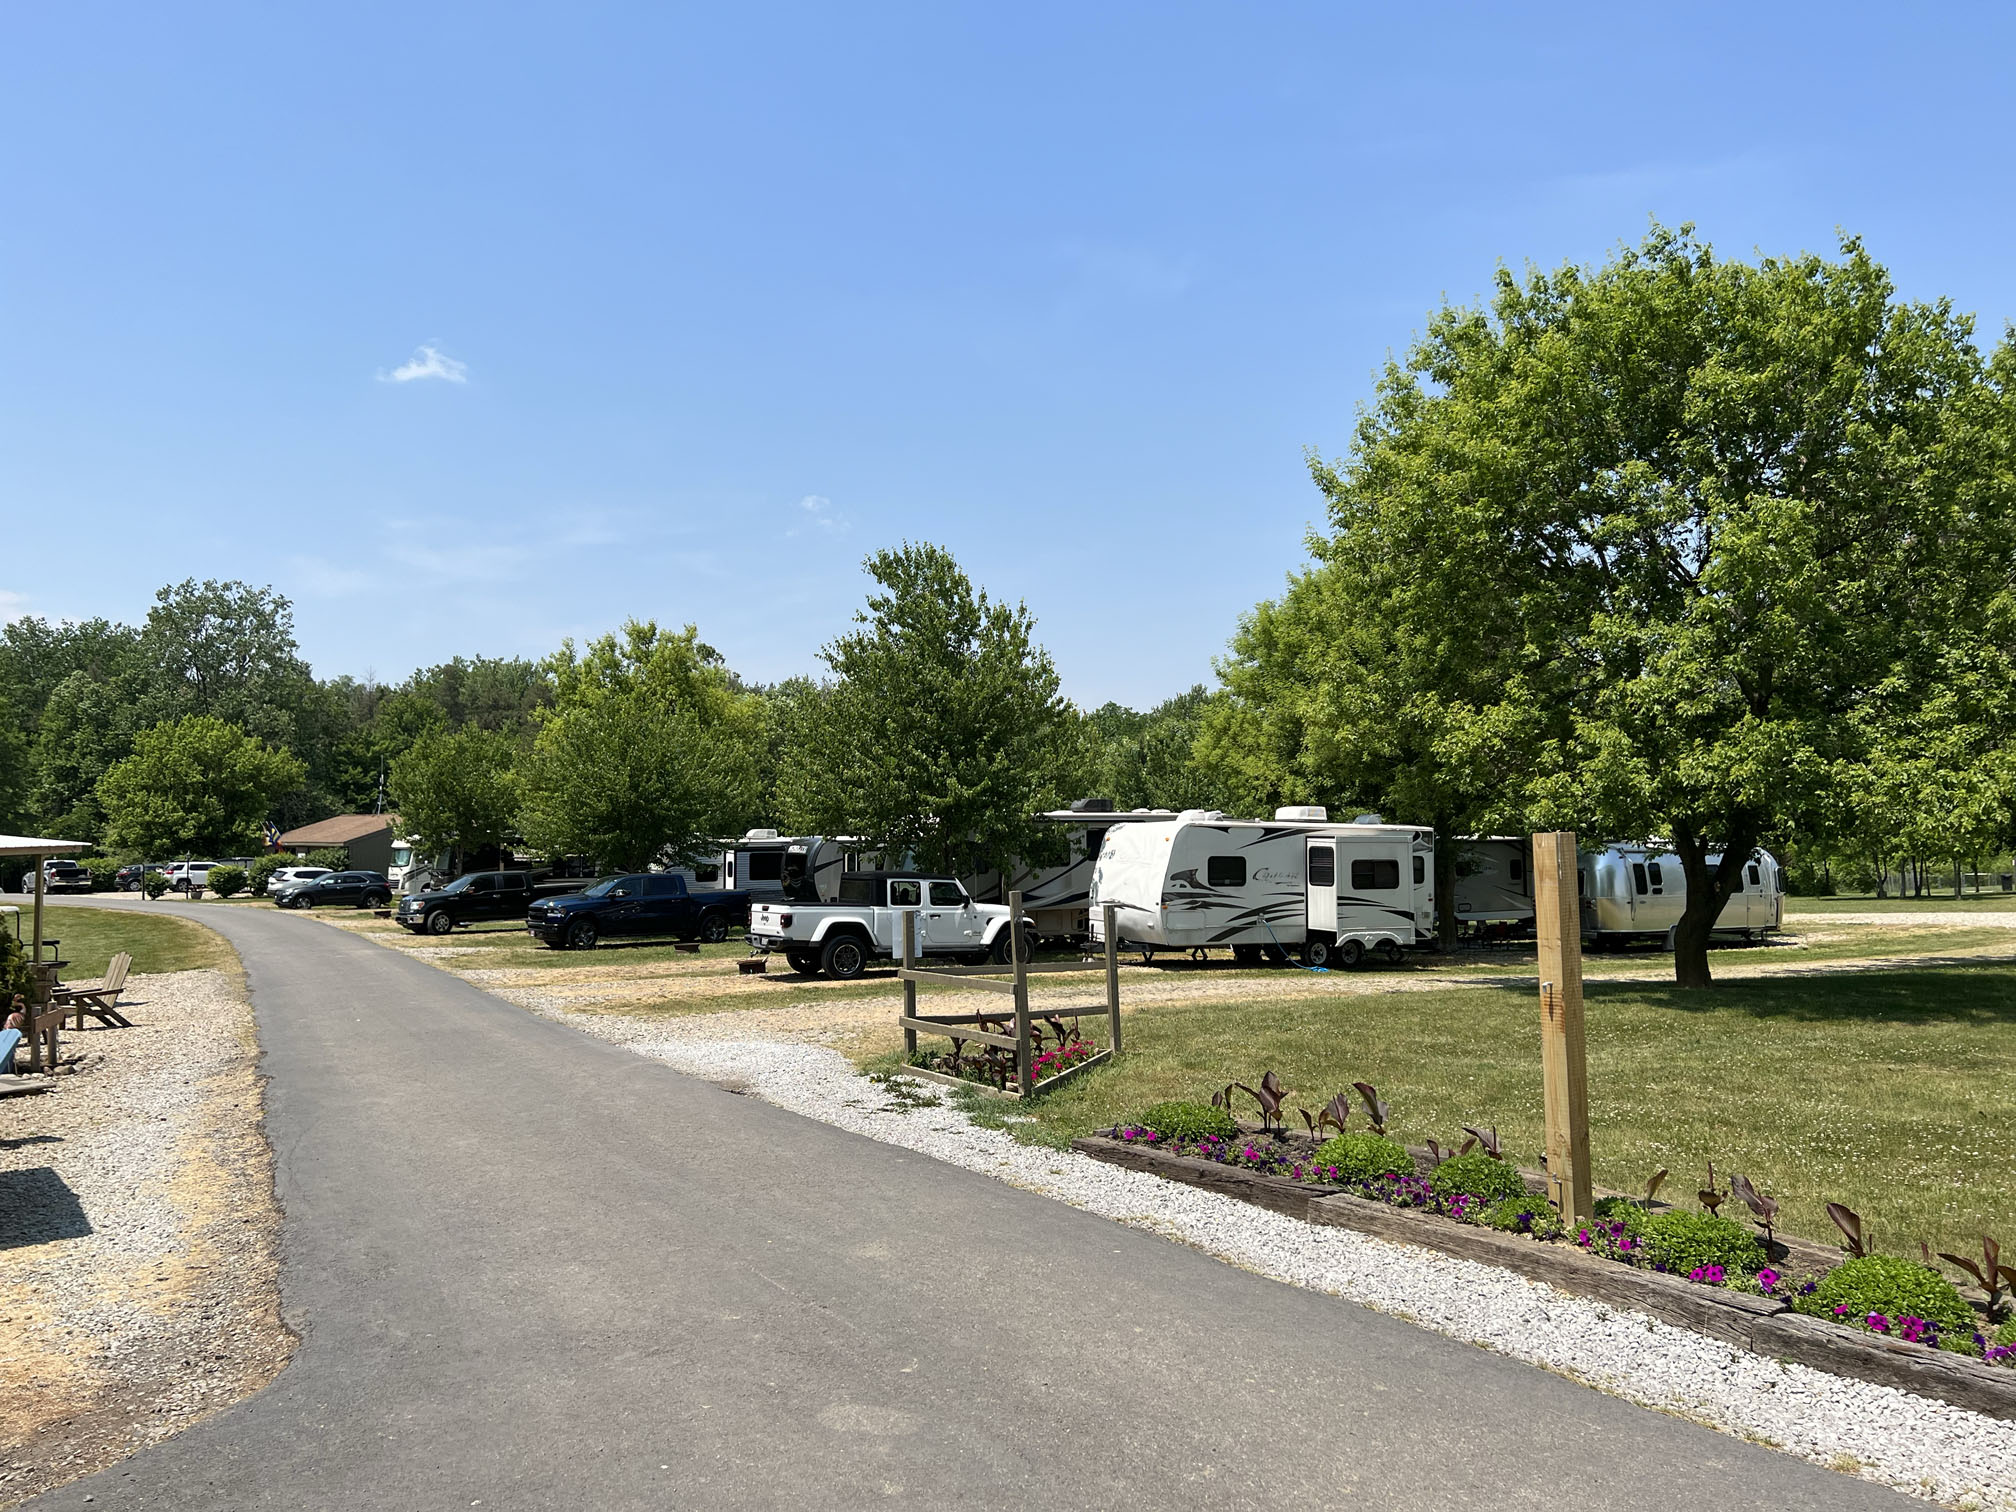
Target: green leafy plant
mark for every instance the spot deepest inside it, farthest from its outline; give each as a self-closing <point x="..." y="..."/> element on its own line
<point x="1364" y="1157"/>
<point x="332" y="856"/>
<point x="1187" y="1122"/>
<point x="154" y="884"/>
<point x="260" y="875"/>
<point x="1684" y="1242"/>
<point x="104" y="873"/>
<point x="226" y="881"/>
<point x="1528" y="1213"/>
<point x="1476" y="1174"/>
<point x="14" y="973"/>
<point x="1881" y="1293"/>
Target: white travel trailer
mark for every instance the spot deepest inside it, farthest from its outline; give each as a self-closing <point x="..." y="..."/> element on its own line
<point x="1328" y="892"/>
<point x="1628" y="891"/>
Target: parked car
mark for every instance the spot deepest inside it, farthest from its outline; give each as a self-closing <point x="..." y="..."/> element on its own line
<point x="58" y="876"/>
<point x="130" y="876"/>
<point x="865" y="923"/>
<point x="359" y="889"/>
<point x="470" y="899"/>
<point x="283" y="875"/>
<point x="643" y="903"/>
<point x="189" y="876"/>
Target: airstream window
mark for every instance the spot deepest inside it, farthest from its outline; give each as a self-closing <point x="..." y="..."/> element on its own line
<point x="1638" y="876"/>
<point x="1755" y="880"/>
<point x="1322" y="866"/>
<point x="1374" y="875"/>
<point x="1516" y="869"/>
<point x="1225" y="871"/>
<point x="1658" y="882"/>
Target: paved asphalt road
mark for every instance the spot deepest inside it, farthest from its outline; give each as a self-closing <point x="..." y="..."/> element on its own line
<point x="531" y="1270"/>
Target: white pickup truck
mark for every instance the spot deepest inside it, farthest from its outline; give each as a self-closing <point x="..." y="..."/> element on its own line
<point x="865" y="923"/>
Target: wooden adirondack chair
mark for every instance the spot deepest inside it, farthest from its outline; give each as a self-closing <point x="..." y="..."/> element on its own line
<point x="10" y="1084"/>
<point x="99" y="999"/>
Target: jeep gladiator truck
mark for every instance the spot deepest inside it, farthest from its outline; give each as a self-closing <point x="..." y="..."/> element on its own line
<point x="643" y="903"/>
<point x="865" y="923"/>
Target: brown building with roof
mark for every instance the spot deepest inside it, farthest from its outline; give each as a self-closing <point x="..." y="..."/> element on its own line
<point x="366" y="837"/>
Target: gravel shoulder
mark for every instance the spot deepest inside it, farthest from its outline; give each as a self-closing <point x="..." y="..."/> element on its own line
<point x="139" y="1236"/>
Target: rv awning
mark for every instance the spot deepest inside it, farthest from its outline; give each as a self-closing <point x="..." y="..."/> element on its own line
<point x="28" y="845"/>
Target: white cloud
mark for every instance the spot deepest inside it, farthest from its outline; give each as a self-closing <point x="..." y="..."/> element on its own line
<point x="428" y="362"/>
<point x="12" y="606"/>
<point x="816" y="513"/>
<point x="463" y="561"/>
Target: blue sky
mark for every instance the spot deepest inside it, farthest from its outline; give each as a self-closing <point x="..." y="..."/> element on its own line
<point x="720" y="298"/>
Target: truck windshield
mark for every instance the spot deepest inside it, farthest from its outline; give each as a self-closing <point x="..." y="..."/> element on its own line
<point x="460" y="884"/>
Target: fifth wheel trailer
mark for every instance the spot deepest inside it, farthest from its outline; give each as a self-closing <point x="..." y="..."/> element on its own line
<point x="1329" y="893"/>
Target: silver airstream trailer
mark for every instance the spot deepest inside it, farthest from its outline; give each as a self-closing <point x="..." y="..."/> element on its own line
<point x="1639" y="891"/>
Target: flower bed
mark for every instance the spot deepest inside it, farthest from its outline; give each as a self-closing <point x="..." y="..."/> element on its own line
<point x="1699" y="1270"/>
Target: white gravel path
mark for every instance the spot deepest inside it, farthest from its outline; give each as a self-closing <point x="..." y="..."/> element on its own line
<point x="1930" y="1449"/>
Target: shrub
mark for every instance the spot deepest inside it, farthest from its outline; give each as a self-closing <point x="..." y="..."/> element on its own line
<point x="1476" y="1175"/>
<point x="1687" y="1242"/>
<point x="154" y="884"/>
<point x="1189" y="1121"/>
<point x="1881" y="1293"/>
<point x="1528" y="1214"/>
<point x="261" y="873"/>
<point x="14" y="973"/>
<point x="104" y="873"/>
<point x="1625" y="1210"/>
<point x="2006" y="1334"/>
<point x="332" y="856"/>
<point x="227" y="881"/>
<point x="1363" y="1157"/>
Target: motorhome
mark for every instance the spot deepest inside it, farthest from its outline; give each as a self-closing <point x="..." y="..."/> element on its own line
<point x="1329" y="893"/>
<point x="1628" y="892"/>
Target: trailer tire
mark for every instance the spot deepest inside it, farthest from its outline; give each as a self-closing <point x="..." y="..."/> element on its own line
<point x="1350" y="954"/>
<point x="844" y="958"/>
<point x="713" y="928"/>
<point x="1317" y="951"/>
<point x="1390" y="952"/>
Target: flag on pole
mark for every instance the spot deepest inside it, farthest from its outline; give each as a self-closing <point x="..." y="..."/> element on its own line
<point x="272" y="835"/>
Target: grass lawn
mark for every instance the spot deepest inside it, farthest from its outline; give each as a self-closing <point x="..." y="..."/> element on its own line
<point x="1894" y="1092"/>
<point x="159" y="942"/>
<point x="1987" y="902"/>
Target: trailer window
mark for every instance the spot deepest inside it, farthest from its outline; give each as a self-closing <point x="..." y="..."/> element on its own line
<point x="1225" y="871"/>
<point x="1516" y="869"/>
<point x="1658" y="878"/>
<point x="707" y="871"/>
<point x="1420" y="871"/>
<point x="763" y="866"/>
<point x="1755" y="880"/>
<point x="1322" y="866"/>
<point x="1638" y="876"/>
<point x="905" y="895"/>
<point x="1374" y="875"/>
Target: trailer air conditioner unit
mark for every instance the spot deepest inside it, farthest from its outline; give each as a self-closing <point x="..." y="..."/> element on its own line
<point x="1314" y="813"/>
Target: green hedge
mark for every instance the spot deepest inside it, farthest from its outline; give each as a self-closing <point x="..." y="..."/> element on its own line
<point x="1684" y="1242"/>
<point x="1476" y="1175"/>
<point x="1188" y="1122"/>
<point x="1364" y="1157"/>
<point x="226" y="881"/>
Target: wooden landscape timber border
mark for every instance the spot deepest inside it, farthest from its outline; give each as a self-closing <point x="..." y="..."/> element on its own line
<point x="960" y="1027"/>
<point x="1761" y="1325"/>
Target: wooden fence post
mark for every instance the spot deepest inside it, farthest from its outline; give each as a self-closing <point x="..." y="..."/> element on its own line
<point x="1557" y="919"/>
<point x="1025" y="1072"/>
<point x="909" y="987"/>
<point x="1112" y="983"/>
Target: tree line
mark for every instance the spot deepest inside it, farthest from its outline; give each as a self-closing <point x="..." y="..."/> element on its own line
<point x="1717" y="552"/>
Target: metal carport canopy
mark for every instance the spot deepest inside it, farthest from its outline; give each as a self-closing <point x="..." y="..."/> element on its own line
<point x="28" y="845"/>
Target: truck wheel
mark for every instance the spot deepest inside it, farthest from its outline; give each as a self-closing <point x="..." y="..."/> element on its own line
<point x="713" y="929"/>
<point x="844" y="958"/>
<point x="1316" y="952"/>
<point x="1349" y="953"/>
<point x="802" y="962"/>
<point x="583" y="935"/>
<point x="1001" y="947"/>
<point x="439" y="922"/>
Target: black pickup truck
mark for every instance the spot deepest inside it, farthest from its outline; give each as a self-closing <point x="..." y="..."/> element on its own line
<point x="473" y="898"/>
<point x="643" y="903"/>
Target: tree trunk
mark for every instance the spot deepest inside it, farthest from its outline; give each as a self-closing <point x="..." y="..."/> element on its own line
<point x="1708" y="891"/>
<point x="1446" y="922"/>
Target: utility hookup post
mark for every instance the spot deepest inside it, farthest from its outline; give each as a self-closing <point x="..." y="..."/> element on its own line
<point x="1557" y="908"/>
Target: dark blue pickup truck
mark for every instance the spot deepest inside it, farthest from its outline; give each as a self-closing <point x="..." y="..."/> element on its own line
<point x="643" y="903"/>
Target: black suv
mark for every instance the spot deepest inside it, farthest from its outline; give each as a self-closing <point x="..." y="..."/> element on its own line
<point x="360" y="889"/>
<point x="467" y="900"/>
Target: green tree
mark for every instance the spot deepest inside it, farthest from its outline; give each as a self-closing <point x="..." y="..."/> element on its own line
<point x="194" y="786"/>
<point x="649" y="749"/>
<point x="457" y="790"/>
<point x="943" y="730"/>
<point x="1149" y="759"/>
<point x="225" y="650"/>
<point x="85" y="727"/>
<point x="1708" y="512"/>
